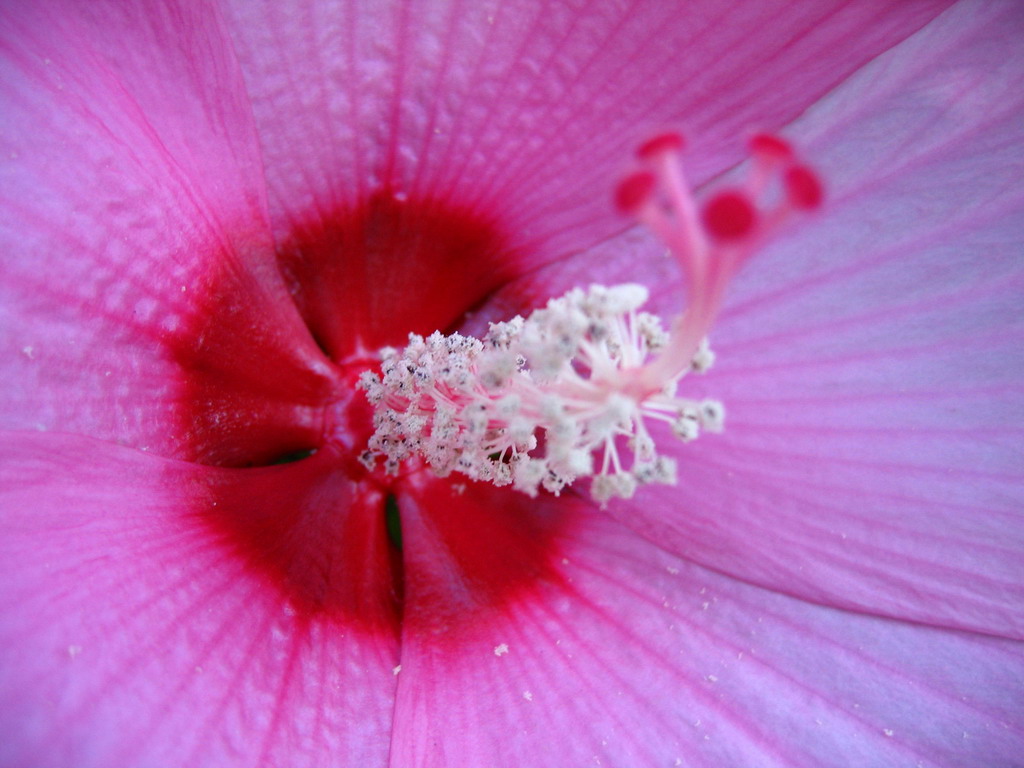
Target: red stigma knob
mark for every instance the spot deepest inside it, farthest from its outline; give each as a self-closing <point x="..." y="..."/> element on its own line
<point x="729" y="215"/>
<point x="803" y="187"/>
<point x="634" y="191"/>
<point x="769" y="146"/>
<point x="659" y="145"/>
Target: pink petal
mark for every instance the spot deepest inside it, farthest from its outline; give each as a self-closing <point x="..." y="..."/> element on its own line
<point x="526" y="112"/>
<point x="871" y="363"/>
<point x="132" y="637"/>
<point x="132" y="185"/>
<point x="627" y="655"/>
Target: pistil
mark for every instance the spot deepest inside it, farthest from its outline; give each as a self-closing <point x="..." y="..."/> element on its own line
<point x="577" y="388"/>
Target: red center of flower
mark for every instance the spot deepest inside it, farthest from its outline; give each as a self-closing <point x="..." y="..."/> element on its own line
<point x="269" y="397"/>
<point x="270" y="365"/>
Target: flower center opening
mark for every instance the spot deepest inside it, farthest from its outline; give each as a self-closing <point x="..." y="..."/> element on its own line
<point x="269" y="400"/>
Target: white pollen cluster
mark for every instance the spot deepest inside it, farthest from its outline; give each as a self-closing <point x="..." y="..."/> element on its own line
<point x="540" y="402"/>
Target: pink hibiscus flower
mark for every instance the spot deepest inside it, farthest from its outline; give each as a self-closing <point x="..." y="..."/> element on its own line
<point x="214" y="215"/>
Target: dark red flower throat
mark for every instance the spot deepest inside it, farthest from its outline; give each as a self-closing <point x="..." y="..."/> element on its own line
<point x="269" y="396"/>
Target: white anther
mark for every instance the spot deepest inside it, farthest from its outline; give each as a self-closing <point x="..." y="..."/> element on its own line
<point x="712" y="415"/>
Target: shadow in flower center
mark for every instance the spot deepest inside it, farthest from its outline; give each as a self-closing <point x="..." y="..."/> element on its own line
<point x="268" y="395"/>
